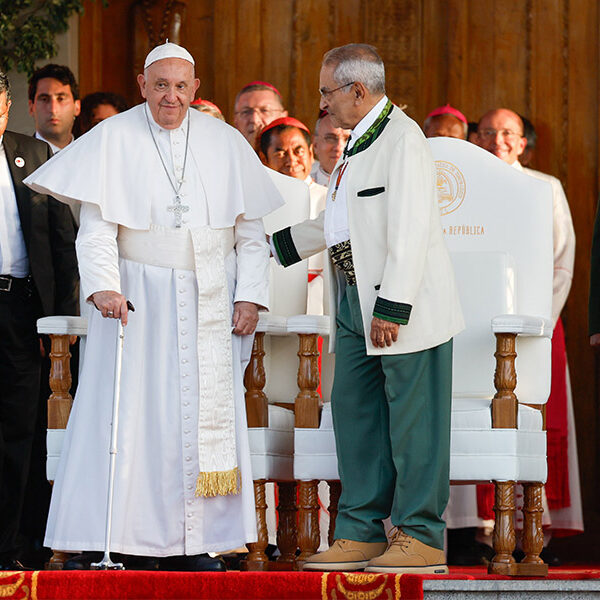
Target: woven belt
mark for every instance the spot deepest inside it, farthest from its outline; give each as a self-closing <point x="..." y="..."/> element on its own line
<point x="341" y="256"/>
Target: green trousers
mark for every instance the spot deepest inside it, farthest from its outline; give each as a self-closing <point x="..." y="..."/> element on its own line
<point x="391" y="416"/>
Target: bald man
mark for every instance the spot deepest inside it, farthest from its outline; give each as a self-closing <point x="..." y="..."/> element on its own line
<point x="501" y="132"/>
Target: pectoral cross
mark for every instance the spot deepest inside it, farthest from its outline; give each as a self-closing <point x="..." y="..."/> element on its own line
<point x="178" y="209"/>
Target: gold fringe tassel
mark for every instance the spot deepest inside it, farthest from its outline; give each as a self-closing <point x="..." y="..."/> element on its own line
<point x="218" y="483"/>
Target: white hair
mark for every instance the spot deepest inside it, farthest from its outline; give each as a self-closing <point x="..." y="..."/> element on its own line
<point x="357" y="62"/>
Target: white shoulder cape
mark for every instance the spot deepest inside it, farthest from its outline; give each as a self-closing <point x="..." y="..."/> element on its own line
<point x="115" y="164"/>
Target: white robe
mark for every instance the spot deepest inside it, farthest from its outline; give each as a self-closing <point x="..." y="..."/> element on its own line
<point x="155" y="510"/>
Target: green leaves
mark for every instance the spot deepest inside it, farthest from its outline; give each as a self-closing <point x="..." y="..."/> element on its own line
<point x="28" y="30"/>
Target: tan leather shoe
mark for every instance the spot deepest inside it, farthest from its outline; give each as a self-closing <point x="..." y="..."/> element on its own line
<point x="406" y="554"/>
<point x="344" y="555"/>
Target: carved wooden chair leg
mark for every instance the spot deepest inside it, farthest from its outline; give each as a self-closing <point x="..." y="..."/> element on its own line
<point x="287" y="534"/>
<point x="257" y="559"/>
<point x="335" y="489"/>
<point x="533" y="536"/>
<point x="257" y="409"/>
<point x="504" y="538"/>
<point x="60" y="401"/>
<point x="308" y="520"/>
<point x="59" y="408"/>
<point x="308" y="403"/>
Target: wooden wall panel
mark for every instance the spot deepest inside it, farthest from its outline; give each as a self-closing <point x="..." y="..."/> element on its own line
<point x="582" y="190"/>
<point x="310" y="42"/>
<point x="548" y="85"/>
<point x="394" y="27"/>
<point x="277" y="30"/>
<point x="539" y="57"/>
<point x="198" y="31"/>
<point x="510" y="54"/>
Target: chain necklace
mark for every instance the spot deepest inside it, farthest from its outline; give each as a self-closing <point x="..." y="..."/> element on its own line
<point x="177" y="208"/>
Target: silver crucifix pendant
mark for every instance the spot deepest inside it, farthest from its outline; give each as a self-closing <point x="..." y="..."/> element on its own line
<point x="178" y="209"/>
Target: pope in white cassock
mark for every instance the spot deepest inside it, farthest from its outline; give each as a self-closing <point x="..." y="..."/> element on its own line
<point x="172" y="202"/>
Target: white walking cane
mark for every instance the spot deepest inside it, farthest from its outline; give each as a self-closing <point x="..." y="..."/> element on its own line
<point x="106" y="563"/>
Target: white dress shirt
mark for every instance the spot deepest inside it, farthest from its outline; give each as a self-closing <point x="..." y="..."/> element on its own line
<point x="336" y="211"/>
<point x="53" y="147"/>
<point x="13" y="253"/>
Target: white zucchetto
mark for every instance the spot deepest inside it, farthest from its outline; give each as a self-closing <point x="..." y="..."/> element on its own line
<point x="167" y="50"/>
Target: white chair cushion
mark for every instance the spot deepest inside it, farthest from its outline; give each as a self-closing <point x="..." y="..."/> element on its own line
<point x="476" y="414"/>
<point x="315" y="456"/>
<point x="479" y="453"/>
<point x="54" y="443"/>
<point x="272" y="448"/>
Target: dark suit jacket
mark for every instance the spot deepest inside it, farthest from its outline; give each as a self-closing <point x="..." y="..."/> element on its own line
<point x="47" y="228"/>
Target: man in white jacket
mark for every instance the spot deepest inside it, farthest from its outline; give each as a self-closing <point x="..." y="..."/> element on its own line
<point x="395" y="309"/>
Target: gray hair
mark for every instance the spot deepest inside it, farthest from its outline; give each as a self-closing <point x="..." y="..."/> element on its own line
<point x="4" y="85"/>
<point x="357" y="62"/>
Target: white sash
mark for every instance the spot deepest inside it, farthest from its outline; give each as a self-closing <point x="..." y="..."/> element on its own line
<point x="202" y="250"/>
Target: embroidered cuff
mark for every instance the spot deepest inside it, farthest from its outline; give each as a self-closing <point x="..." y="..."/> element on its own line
<point x="396" y="312"/>
<point x="284" y="245"/>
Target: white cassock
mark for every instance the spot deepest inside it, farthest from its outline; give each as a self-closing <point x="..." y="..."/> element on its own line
<point x="167" y="393"/>
<point x="319" y="175"/>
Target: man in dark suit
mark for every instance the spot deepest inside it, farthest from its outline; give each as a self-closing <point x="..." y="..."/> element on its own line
<point x="38" y="277"/>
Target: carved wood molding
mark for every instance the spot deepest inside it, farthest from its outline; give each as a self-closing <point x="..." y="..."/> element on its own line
<point x="504" y="404"/>
<point x="504" y="529"/>
<point x="335" y="490"/>
<point x="257" y="559"/>
<point x="308" y="519"/>
<point x="60" y="401"/>
<point x="257" y="407"/>
<point x="308" y="402"/>
<point x="287" y="533"/>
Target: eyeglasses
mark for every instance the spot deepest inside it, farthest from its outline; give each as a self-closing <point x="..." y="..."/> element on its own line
<point x="325" y="92"/>
<point x="263" y="111"/>
<point x="505" y="133"/>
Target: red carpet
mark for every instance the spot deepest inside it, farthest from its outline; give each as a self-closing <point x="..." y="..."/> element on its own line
<point x="130" y="585"/>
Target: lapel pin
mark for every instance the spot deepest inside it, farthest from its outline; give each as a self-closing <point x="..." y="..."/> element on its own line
<point x="19" y="162"/>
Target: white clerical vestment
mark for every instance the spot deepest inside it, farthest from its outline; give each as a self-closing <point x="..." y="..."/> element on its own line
<point x="124" y="187"/>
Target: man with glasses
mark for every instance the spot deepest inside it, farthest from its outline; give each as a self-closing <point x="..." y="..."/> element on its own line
<point x="256" y="105"/>
<point x="394" y="310"/>
<point x="501" y="132"/>
<point x="328" y="144"/>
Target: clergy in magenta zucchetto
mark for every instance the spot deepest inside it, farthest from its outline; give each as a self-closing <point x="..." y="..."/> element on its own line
<point x="172" y="202"/>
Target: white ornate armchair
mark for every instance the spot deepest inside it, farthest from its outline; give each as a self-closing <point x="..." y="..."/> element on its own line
<point x="498" y="227"/>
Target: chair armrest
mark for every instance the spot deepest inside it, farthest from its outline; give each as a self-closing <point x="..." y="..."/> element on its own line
<point x="271" y="324"/>
<point x="526" y="325"/>
<point x="309" y="324"/>
<point x="62" y="325"/>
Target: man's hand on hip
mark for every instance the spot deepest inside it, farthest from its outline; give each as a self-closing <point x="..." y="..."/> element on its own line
<point x="383" y="333"/>
<point x="111" y="304"/>
<point x="595" y="340"/>
<point x="245" y="318"/>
